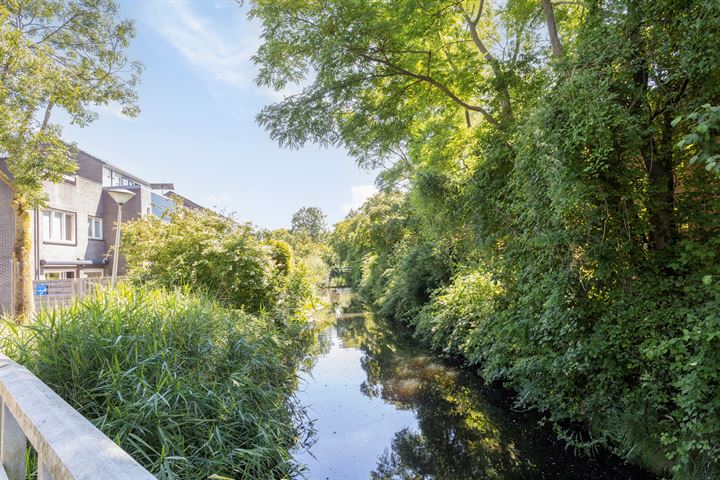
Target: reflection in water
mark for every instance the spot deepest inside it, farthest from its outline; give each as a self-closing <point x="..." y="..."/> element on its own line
<point x="385" y="409"/>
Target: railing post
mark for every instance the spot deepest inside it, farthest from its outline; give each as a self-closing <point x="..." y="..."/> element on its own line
<point x="12" y="445"/>
<point x="68" y="446"/>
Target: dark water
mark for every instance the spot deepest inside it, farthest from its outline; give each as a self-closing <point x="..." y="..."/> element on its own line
<point x="385" y="409"/>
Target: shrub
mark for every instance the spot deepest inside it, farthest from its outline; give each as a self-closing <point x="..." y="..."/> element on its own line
<point x="458" y="313"/>
<point x="207" y="252"/>
<point x="188" y="388"/>
<point x="415" y="270"/>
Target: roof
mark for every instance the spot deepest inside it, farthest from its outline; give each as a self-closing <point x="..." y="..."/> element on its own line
<point x="186" y="202"/>
<point x="115" y="168"/>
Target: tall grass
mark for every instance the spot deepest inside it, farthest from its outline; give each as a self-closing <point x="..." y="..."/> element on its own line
<point x="188" y="388"/>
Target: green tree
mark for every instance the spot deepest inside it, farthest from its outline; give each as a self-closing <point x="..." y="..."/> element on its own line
<point x="547" y="214"/>
<point x="54" y="54"/>
<point x="309" y="221"/>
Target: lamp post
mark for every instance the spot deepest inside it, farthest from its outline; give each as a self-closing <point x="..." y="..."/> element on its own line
<point x="121" y="197"/>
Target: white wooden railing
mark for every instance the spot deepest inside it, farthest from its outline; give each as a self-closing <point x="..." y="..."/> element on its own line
<point x="67" y="445"/>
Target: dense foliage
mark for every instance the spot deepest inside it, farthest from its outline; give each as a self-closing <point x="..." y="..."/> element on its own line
<point x="550" y="209"/>
<point x="218" y="256"/>
<point x="188" y="388"/>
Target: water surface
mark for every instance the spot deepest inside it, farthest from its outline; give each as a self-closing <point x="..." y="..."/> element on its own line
<point x="383" y="408"/>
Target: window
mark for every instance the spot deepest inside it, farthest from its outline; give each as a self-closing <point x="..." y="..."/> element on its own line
<point x="95" y="228"/>
<point x="112" y="178"/>
<point x="58" y="274"/>
<point x="58" y="226"/>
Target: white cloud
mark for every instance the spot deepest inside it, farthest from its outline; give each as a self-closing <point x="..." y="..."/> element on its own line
<point x="358" y="195"/>
<point x="219" y="52"/>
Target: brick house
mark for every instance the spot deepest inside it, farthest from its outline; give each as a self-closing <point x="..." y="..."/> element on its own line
<point x="72" y="236"/>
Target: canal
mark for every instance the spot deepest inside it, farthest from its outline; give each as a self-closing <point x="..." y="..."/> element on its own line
<point x="383" y="408"/>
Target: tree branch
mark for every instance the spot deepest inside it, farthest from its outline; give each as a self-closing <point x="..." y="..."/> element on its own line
<point x="46" y="118"/>
<point x="425" y="78"/>
<point x="57" y="29"/>
<point x="472" y="26"/>
<point x="476" y="20"/>
<point x="494" y="64"/>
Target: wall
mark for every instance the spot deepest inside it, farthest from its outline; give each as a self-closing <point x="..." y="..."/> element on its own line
<point x="83" y="199"/>
<point x="89" y="166"/>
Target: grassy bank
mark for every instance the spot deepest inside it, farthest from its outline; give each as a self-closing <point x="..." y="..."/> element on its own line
<point x="187" y="387"/>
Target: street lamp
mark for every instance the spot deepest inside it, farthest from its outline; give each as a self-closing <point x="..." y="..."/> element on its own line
<point x="121" y="197"/>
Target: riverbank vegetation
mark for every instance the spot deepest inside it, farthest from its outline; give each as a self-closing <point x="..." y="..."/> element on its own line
<point x="234" y="262"/>
<point x="550" y="201"/>
<point x="190" y="364"/>
<point x="188" y="387"/>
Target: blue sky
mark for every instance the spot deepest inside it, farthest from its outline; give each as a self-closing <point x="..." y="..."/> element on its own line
<point x="197" y="127"/>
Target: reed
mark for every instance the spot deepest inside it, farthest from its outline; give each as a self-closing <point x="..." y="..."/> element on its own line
<point x="187" y="387"/>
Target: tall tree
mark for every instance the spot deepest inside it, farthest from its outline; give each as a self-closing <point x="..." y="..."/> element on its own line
<point x="309" y="221"/>
<point x="54" y="54"/>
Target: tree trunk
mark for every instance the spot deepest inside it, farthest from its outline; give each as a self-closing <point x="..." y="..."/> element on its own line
<point x="23" y="301"/>
<point x="661" y="201"/>
<point x="500" y="80"/>
<point x="557" y="47"/>
<point x="657" y="149"/>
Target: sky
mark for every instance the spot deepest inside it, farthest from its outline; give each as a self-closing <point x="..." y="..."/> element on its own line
<point x="197" y="127"/>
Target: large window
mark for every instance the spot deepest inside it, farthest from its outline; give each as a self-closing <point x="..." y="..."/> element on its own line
<point x="95" y="228"/>
<point x="58" y="226"/>
<point x="112" y="178"/>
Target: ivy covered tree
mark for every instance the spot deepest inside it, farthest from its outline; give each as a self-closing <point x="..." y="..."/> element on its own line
<point x="54" y="55"/>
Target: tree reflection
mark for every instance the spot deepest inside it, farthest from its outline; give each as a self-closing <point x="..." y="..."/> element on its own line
<point x="466" y="430"/>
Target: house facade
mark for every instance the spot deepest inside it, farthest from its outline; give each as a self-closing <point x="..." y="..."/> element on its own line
<point x="73" y="235"/>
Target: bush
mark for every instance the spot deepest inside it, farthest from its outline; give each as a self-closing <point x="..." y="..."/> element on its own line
<point x="414" y="272"/>
<point x="458" y="313"/>
<point x="207" y="252"/>
<point x="186" y="387"/>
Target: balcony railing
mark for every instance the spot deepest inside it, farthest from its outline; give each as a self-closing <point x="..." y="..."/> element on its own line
<point x="68" y="446"/>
